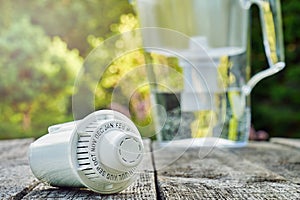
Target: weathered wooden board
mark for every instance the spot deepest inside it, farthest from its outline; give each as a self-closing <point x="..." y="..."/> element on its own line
<point x="142" y="188"/>
<point x="281" y="160"/>
<point x="198" y="188"/>
<point x="259" y="171"/>
<point x="222" y="174"/>
<point x="16" y="178"/>
<point x="288" y="142"/>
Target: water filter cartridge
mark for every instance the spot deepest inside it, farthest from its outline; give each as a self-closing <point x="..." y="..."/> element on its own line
<point x="100" y="152"/>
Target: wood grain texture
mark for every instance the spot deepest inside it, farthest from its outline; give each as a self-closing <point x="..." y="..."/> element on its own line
<point x="281" y="160"/>
<point x="287" y="142"/>
<point x="262" y="170"/>
<point x="142" y="188"/>
<point x="16" y="178"/>
<point x="197" y="188"/>
<point x="226" y="174"/>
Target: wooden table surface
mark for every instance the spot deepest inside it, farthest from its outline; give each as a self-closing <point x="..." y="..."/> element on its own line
<point x="262" y="170"/>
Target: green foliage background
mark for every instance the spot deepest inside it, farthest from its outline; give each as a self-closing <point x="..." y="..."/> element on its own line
<point x="43" y="44"/>
<point x="276" y="100"/>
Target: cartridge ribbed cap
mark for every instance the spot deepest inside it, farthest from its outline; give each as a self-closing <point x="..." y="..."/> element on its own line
<point x="120" y="150"/>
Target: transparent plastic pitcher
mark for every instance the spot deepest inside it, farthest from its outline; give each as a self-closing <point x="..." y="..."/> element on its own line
<point x="198" y="65"/>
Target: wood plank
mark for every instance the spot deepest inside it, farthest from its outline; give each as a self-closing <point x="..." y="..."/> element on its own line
<point x="260" y="171"/>
<point x="142" y="188"/>
<point x="287" y="142"/>
<point x="198" y="188"/>
<point x="222" y="174"/>
<point x="282" y="160"/>
<point x="14" y="149"/>
<point x="15" y="174"/>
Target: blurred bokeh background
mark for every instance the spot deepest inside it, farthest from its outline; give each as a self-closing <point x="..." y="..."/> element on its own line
<point x="43" y="44"/>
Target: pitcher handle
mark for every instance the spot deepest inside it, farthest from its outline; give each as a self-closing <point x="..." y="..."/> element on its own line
<point x="270" y="16"/>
